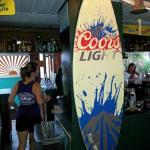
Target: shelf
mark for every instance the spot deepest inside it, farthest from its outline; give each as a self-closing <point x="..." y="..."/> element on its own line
<point x="28" y="52"/>
<point x="136" y="51"/>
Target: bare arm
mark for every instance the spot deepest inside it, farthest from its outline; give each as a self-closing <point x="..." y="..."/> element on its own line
<point x="12" y="95"/>
<point x="41" y="99"/>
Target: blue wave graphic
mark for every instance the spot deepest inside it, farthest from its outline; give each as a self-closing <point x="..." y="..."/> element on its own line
<point x="100" y="29"/>
<point x="103" y="118"/>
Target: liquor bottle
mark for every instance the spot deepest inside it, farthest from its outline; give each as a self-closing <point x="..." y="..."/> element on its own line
<point x="49" y="45"/>
<point x="9" y="46"/>
<point x="53" y="46"/>
<point x="59" y="46"/>
<point x="14" y="45"/>
<point x="29" y="46"/>
<point x="0" y="45"/>
<point x="33" y="44"/>
<point x="19" y="47"/>
<point x="3" y="45"/>
<point x="45" y="46"/>
<point x="23" y="47"/>
<point x="39" y="44"/>
<point x="56" y="46"/>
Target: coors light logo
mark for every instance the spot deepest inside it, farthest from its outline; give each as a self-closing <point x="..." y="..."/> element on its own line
<point x="97" y="42"/>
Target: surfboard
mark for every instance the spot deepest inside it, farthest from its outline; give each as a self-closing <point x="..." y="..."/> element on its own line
<point x="98" y="81"/>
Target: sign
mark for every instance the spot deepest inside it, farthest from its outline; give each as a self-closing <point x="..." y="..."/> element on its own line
<point x="7" y="7"/>
<point x="133" y="29"/>
<point x="98" y="80"/>
<point x="10" y="64"/>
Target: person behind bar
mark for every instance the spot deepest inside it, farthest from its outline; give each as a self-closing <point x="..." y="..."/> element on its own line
<point x="58" y="81"/>
<point x="131" y="72"/>
<point x="30" y="111"/>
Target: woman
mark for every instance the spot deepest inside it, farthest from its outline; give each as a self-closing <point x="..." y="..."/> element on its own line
<point x="131" y="72"/>
<point x="30" y="111"/>
<point x="58" y="81"/>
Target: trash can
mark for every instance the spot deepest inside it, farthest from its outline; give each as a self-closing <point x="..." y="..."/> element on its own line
<point x="49" y="136"/>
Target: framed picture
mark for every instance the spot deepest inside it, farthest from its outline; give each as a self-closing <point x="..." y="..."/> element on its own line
<point x="10" y="64"/>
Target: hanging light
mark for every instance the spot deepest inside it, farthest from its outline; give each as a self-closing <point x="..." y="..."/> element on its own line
<point x="139" y="26"/>
<point x="138" y="7"/>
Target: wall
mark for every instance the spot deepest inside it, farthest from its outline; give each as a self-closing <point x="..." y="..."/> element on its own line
<point x="9" y="83"/>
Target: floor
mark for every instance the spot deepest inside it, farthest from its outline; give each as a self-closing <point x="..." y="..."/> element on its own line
<point x="14" y="140"/>
<point x="14" y="144"/>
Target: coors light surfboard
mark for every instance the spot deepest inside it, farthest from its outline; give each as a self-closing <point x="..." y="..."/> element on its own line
<point x="98" y="75"/>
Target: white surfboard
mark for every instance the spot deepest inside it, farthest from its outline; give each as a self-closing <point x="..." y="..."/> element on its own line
<point x="98" y="75"/>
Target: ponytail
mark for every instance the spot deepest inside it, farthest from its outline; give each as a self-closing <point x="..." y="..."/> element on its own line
<point x="28" y="69"/>
<point x="23" y="73"/>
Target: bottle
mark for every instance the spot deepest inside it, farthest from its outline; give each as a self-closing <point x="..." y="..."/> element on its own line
<point x="132" y="101"/>
<point x="14" y="45"/>
<point x="59" y="46"/>
<point x="4" y="45"/>
<point x="53" y="46"/>
<point x="29" y="46"/>
<point x="39" y="46"/>
<point x="23" y="47"/>
<point x="9" y="46"/>
<point x="45" y="46"/>
<point x="50" y="46"/>
<point x="0" y="45"/>
<point x="56" y="45"/>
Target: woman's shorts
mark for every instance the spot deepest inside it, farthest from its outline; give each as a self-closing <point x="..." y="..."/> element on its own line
<point x="24" y="123"/>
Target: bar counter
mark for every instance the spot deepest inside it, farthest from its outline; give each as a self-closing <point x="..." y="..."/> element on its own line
<point x="5" y="117"/>
<point x="135" y="132"/>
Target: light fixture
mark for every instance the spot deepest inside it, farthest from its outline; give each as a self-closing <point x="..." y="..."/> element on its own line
<point x="138" y="7"/>
<point x="145" y="3"/>
<point x="18" y="42"/>
<point x="139" y="26"/>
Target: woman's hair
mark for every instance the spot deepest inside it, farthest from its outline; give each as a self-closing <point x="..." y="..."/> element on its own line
<point x="28" y="69"/>
<point x="131" y="65"/>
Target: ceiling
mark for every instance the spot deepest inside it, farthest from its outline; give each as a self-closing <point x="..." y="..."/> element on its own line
<point x="44" y="14"/>
<point x="129" y="18"/>
<point x="34" y="13"/>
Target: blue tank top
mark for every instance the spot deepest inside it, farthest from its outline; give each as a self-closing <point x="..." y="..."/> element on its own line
<point x="28" y="105"/>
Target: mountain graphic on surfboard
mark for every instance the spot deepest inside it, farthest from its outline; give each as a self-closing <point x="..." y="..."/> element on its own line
<point x="98" y="75"/>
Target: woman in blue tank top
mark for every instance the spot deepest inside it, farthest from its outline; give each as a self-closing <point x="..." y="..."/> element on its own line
<point x="30" y="111"/>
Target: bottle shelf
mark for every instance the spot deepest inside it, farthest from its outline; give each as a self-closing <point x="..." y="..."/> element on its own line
<point x="136" y="43"/>
<point x="29" y="45"/>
